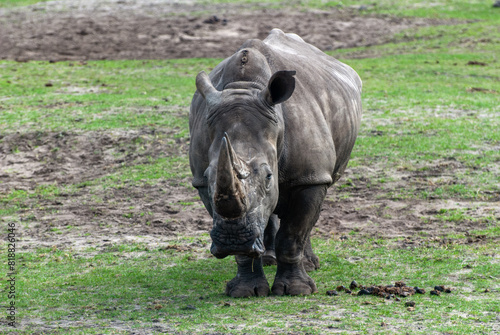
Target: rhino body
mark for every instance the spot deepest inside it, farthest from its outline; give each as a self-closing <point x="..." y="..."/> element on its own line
<point x="272" y="127"/>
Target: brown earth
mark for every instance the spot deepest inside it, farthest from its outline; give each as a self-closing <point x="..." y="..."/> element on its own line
<point x="132" y="29"/>
<point x="156" y="213"/>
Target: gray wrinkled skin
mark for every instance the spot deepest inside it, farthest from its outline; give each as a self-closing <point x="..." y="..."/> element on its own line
<point x="272" y="127"/>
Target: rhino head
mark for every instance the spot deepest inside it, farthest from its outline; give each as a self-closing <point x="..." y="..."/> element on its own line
<point x="245" y="125"/>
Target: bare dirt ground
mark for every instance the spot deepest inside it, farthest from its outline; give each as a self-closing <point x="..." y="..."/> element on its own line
<point x="156" y="214"/>
<point x="132" y="29"/>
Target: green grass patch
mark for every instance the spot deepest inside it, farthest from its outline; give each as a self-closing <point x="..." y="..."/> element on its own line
<point x="176" y="290"/>
<point x="163" y="168"/>
<point x="97" y="95"/>
<point x="460" y="9"/>
<point x="18" y="3"/>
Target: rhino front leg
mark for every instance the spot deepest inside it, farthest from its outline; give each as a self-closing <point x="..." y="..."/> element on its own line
<point x="250" y="279"/>
<point x="205" y="197"/>
<point x="269" y="257"/>
<point x="298" y="217"/>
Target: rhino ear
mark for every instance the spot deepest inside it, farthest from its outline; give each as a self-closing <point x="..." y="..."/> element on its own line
<point x="204" y="84"/>
<point x="280" y="87"/>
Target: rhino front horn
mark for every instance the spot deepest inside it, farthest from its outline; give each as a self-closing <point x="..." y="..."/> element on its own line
<point x="239" y="166"/>
<point x="229" y="197"/>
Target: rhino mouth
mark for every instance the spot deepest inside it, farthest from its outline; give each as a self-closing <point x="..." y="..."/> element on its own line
<point x="252" y="249"/>
<point x="236" y="239"/>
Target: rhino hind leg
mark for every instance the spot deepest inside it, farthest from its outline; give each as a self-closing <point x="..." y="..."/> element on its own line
<point x="292" y="241"/>
<point x="310" y="260"/>
<point x="250" y="280"/>
<point x="269" y="257"/>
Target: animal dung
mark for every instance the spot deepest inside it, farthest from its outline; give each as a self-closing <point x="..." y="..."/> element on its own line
<point x="442" y="288"/>
<point x="399" y="289"/>
<point x="353" y="285"/>
<point x="419" y="290"/>
<point x="364" y="292"/>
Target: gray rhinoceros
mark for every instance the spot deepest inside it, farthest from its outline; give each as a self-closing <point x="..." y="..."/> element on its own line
<point x="272" y="127"/>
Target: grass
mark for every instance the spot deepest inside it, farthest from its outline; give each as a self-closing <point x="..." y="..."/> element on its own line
<point x="475" y="9"/>
<point x="97" y="95"/>
<point x="181" y="292"/>
<point x="18" y="3"/>
<point x="423" y="104"/>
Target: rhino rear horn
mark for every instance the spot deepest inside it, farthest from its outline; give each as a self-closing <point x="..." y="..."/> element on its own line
<point x="229" y="197"/>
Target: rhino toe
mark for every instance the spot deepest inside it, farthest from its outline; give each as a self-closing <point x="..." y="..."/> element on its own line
<point x="295" y="287"/>
<point x="294" y="284"/>
<point x="240" y="288"/>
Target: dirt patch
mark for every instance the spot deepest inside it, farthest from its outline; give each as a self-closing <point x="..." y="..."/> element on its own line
<point x="157" y="212"/>
<point x="38" y="158"/>
<point x="92" y="214"/>
<point x="132" y="29"/>
<point x="360" y="205"/>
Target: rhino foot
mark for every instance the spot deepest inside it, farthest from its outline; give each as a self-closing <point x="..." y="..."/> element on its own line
<point x="293" y="281"/>
<point x="247" y="287"/>
<point x="250" y="280"/>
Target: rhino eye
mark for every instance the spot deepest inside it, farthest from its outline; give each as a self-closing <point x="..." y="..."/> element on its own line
<point x="267" y="173"/>
<point x="269" y="178"/>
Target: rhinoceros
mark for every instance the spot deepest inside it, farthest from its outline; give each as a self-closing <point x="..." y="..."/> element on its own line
<point x="272" y="127"/>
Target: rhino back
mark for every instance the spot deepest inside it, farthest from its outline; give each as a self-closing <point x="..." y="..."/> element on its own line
<point x="323" y="115"/>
